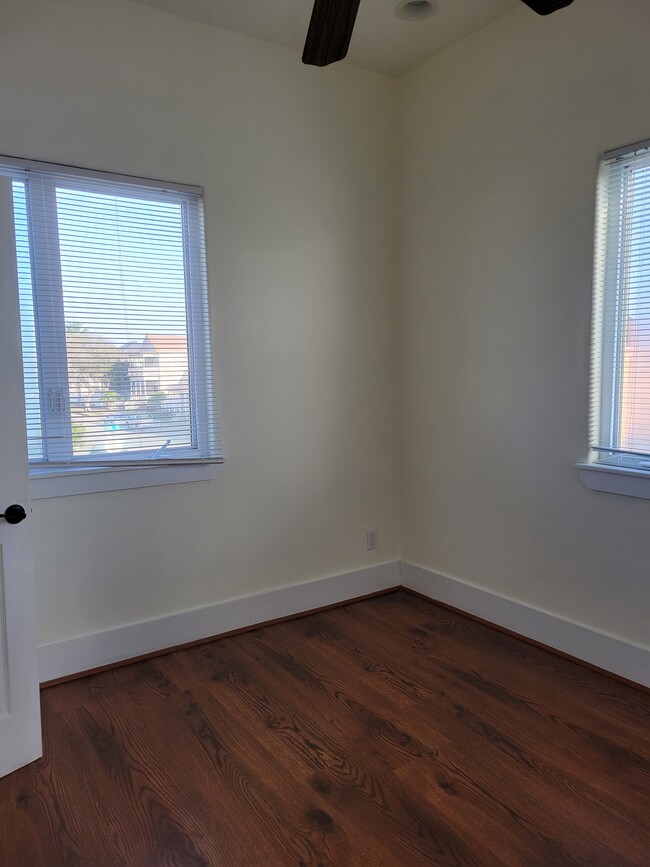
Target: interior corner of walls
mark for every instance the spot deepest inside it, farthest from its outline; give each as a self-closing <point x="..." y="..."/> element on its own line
<point x="607" y="652"/>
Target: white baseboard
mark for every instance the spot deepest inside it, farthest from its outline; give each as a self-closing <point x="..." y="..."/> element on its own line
<point x="605" y="651"/>
<point x="85" y="652"/>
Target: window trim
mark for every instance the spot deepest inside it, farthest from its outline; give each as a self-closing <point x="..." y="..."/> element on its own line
<point x="628" y="481"/>
<point x="65" y="479"/>
<point x="26" y="164"/>
<point x="609" y="470"/>
<point x="88" y="480"/>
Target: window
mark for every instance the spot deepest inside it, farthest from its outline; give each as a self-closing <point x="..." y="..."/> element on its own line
<point x="113" y="300"/>
<point x="620" y="423"/>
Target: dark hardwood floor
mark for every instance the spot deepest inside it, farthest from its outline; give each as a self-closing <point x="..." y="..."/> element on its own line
<point x="388" y="732"/>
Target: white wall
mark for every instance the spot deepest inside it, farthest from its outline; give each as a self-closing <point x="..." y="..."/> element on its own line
<point x="500" y="142"/>
<point x="299" y="220"/>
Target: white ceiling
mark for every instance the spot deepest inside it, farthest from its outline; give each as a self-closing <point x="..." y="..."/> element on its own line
<point x="381" y="41"/>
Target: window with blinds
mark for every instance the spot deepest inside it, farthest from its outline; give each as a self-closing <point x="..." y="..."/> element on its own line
<point x="113" y="301"/>
<point x="620" y="424"/>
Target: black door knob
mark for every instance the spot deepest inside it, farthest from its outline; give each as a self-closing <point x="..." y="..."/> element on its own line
<point x="14" y="514"/>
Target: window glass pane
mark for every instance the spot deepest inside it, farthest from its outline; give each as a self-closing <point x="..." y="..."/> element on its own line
<point x="27" y="324"/>
<point x="124" y="294"/>
<point x="634" y="414"/>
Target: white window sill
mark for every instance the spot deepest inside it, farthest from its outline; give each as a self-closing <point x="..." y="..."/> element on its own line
<point x="615" y="480"/>
<point x="67" y="483"/>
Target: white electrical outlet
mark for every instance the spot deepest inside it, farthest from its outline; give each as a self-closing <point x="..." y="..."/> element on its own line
<point x="371" y="539"/>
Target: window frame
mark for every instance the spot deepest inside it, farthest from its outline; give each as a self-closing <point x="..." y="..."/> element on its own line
<point x="609" y="468"/>
<point x="69" y="475"/>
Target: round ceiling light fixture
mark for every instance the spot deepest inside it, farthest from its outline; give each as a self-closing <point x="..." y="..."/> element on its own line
<point x="416" y="10"/>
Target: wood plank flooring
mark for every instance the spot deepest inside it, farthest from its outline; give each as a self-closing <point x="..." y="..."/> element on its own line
<point x="388" y="732"/>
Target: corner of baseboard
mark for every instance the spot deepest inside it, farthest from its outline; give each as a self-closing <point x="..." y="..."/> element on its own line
<point x="611" y="654"/>
<point x="84" y="653"/>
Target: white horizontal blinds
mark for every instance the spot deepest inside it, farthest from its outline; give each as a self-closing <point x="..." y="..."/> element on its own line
<point x="623" y="302"/>
<point x="115" y="326"/>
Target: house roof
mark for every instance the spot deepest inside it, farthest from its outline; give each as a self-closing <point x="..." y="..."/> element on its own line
<point x="167" y="342"/>
<point x="132" y="346"/>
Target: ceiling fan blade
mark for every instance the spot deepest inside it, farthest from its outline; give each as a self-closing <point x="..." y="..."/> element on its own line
<point x="330" y="31"/>
<point x="545" y="7"/>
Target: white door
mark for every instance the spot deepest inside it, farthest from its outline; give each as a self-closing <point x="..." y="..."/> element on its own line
<point x="20" y="721"/>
